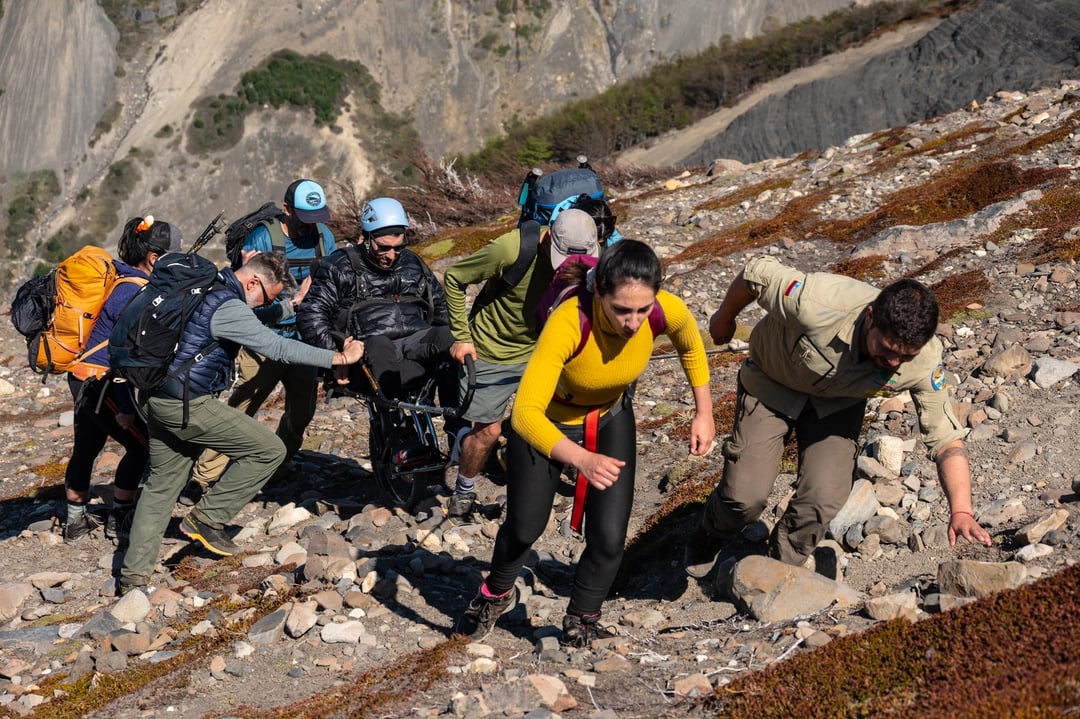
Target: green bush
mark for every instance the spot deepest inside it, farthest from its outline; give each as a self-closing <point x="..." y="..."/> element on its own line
<point x="30" y="195"/>
<point x="320" y="82"/>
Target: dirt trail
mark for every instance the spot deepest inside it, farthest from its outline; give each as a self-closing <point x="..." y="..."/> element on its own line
<point x="674" y="147"/>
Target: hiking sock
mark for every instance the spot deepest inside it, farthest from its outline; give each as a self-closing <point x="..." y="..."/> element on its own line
<point x="464" y="484"/>
<point x="75" y="509"/>
<point x="488" y="594"/>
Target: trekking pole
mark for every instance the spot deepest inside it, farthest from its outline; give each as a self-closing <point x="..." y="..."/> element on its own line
<point x="215" y="226"/>
<point x="524" y="197"/>
<point x="716" y="351"/>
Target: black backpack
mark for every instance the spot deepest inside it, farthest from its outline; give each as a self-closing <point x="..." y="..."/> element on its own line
<point x="270" y="216"/>
<point x="148" y="331"/>
<point x="33" y="306"/>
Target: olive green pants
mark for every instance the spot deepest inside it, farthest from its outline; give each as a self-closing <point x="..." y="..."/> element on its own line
<point x="827" y="449"/>
<point x="258" y="377"/>
<point x="255" y="451"/>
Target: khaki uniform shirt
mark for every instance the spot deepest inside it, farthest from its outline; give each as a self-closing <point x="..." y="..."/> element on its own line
<point x="807" y="349"/>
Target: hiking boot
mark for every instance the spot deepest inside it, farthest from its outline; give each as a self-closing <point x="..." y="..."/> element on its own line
<point x="459" y="507"/>
<point x="118" y="523"/>
<point x="580" y="631"/>
<point x="80" y="525"/>
<point x="214" y="540"/>
<point x="191" y="494"/>
<point x="701" y="552"/>
<point x="123" y="588"/>
<point x="482" y="613"/>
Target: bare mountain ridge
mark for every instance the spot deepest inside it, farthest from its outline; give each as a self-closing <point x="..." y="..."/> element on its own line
<point x="460" y="69"/>
<point x="443" y="67"/>
<point x="438" y="63"/>
<point x="1000" y="45"/>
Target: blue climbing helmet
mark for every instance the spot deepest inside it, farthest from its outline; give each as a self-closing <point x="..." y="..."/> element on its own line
<point x="383" y="216"/>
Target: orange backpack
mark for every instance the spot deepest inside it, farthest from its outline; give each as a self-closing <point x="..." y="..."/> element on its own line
<point x="83" y="282"/>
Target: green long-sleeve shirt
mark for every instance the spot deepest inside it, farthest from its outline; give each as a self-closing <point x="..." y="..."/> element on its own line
<point x="502" y="331"/>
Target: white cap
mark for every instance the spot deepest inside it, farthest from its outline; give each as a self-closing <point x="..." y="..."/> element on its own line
<point x="573" y="233"/>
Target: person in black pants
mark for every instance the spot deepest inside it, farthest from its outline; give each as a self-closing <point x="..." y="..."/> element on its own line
<point x="98" y="418"/>
<point x="573" y="407"/>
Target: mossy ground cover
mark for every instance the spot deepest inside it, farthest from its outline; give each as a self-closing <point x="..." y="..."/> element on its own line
<point x="1014" y="654"/>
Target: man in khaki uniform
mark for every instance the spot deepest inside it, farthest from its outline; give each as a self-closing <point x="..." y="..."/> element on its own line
<point x="827" y="344"/>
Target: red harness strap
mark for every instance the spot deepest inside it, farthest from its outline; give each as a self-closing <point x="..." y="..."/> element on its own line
<point x="581" y="490"/>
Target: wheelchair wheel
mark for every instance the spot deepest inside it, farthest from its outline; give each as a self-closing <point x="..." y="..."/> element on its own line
<point x="383" y="437"/>
<point x="402" y="464"/>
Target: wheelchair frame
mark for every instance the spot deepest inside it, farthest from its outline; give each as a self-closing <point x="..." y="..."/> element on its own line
<point x="403" y="442"/>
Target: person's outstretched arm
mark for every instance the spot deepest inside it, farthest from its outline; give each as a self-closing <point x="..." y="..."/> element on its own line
<point x="722" y="323"/>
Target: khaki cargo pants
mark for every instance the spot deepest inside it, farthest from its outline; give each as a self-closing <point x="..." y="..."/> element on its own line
<point x="827" y="449"/>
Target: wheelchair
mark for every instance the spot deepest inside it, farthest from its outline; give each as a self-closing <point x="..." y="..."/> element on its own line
<point x="406" y="457"/>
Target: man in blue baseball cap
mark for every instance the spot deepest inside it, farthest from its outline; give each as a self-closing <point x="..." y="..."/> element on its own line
<point x="299" y="232"/>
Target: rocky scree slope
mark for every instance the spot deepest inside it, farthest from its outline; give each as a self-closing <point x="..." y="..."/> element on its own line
<point x="341" y="604"/>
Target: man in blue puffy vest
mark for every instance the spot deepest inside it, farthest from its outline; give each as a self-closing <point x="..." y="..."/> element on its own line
<point x="218" y="329"/>
<point x="300" y="233"/>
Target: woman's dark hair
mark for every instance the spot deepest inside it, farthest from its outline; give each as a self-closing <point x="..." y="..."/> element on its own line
<point x="908" y="310"/>
<point x="628" y="261"/>
<point x="139" y="239"/>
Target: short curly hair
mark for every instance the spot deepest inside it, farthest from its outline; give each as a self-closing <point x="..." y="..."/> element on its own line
<point x="908" y="310"/>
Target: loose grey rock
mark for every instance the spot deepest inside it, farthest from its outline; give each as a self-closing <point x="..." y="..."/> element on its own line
<point x="774" y="591"/>
<point x="969" y="578"/>
<point x="1048" y="371"/>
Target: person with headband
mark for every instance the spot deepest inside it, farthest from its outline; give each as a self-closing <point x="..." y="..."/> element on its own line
<point x="98" y="417"/>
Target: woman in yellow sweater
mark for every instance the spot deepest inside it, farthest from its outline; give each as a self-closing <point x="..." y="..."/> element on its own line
<point x="576" y="393"/>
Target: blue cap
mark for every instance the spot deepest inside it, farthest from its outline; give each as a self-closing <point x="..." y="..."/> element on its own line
<point x="306" y="200"/>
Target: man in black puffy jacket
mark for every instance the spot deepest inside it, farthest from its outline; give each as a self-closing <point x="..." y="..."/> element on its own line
<point x="381" y="292"/>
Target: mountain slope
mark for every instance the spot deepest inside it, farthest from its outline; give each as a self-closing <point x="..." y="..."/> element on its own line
<point x="999" y="45"/>
<point x="459" y="69"/>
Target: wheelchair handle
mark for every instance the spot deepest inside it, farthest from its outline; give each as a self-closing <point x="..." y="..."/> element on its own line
<point x="449" y="412"/>
<point x="470" y="390"/>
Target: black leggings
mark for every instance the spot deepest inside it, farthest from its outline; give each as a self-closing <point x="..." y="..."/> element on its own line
<point x="532" y="480"/>
<point x="92" y="429"/>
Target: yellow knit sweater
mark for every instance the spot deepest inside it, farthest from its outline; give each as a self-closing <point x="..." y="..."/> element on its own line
<point x="600" y="374"/>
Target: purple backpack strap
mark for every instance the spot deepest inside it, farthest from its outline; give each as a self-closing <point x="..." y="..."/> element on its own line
<point x="584" y="318"/>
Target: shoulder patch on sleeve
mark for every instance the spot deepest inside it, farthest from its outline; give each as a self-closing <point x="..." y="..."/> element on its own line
<point x="937" y="378"/>
<point x="792" y="288"/>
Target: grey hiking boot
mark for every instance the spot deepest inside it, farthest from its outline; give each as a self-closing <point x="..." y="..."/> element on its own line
<point x="118" y="523"/>
<point x="482" y="613"/>
<point x="191" y="493"/>
<point x="579" y="631"/>
<point x="459" y="508"/>
<point x="213" y="539"/>
<point x="79" y="525"/>
<point x="701" y="551"/>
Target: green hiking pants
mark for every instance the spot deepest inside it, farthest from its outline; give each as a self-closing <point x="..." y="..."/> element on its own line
<point x="255" y="452"/>
<point x="258" y="377"/>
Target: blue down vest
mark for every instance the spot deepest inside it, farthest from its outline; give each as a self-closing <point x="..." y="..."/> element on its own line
<point x="214" y="373"/>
